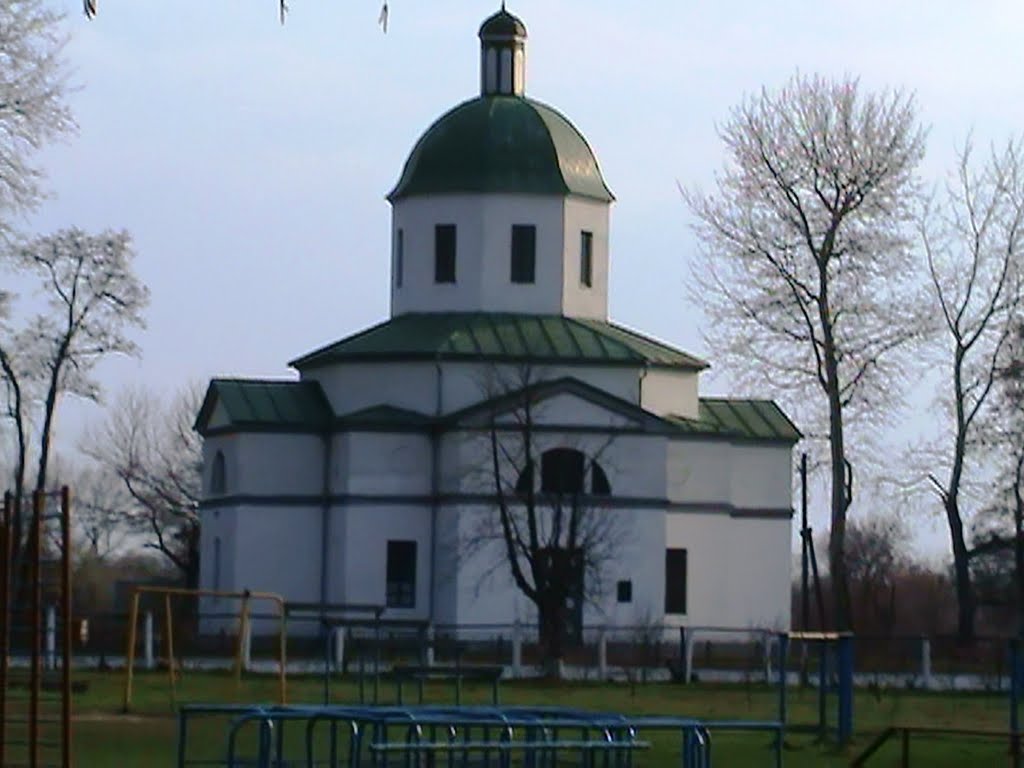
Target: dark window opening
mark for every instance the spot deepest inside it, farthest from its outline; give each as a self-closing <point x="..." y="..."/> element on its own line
<point x="524" y="253"/>
<point x="444" y="253"/>
<point x="624" y="591"/>
<point x="524" y="484"/>
<point x="675" y="581"/>
<point x="401" y="574"/>
<point x="399" y="257"/>
<point x="587" y="258"/>
<point x="218" y="475"/>
<point x="599" y="485"/>
<point x="561" y="471"/>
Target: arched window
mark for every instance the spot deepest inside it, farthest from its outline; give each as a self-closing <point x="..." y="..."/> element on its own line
<point x="565" y="471"/>
<point x="218" y="475"/>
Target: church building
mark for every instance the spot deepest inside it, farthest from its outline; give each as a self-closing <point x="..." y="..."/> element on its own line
<point x="379" y="474"/>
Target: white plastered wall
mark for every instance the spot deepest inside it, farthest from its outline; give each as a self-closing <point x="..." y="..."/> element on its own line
<point x="579" y="300"/>
<point x="670" y="392"/>
<point x="483" y="255"/>
<point x="414" y="385"/>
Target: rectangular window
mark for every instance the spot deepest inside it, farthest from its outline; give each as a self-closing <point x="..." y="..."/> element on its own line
<point x="587" y="259"/>
<point x="401" y="574"/>
<point x="399" y="257"/>
<point x="444" y="253"/>
<point x="524" y="252"/>
<point x="624" y="591"/>
<point x="675" y="581"/>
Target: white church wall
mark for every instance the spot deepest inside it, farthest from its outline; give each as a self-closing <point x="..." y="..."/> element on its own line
<point x="351" y="387"/>
<point x="762" y="476"/>
<point x="388" y="463"/>
<point x="276" y="464"/>
<point x="670" y="392"/>
<point x="414" y="385"/>
<point x="737" y="570"/>
<point x="579" y="300"/>
<point x="484" y="591"/>
<point x="467" y="383"/>
<point x="218" y="551"/>
<point x="699" y="471"/>
<point x="279" y="551"/>
<point x="483" y="254"/>
<point x="368" y="528"/>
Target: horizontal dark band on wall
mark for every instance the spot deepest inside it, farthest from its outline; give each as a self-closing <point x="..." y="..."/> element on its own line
<point x="462" y="499"/>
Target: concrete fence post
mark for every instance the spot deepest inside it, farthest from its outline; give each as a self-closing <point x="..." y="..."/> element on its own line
<point x="339" y="648"/>
<point x="51" y="637"/>
<point x="247" y="646"/>
<point x="517" y="650"/>
<point x="147" y="640"/>
<point x="926" y="662"/>
<point x="688" y="656"/>
<point x="767" y="648"/>
<point x="429" y="654"/>
<point x="602" y="654"/>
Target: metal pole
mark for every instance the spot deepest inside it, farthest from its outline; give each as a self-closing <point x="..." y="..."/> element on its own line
<point x="805" y="593"/>
<point x="5" y="617"/>
<point x="129" y="664"/>
<point x="36" y="585"/>
<point x="1015" y="683"/>
<point x="65" y="598"/>
<point x="147" y="640"/>
<point x="169" y="642"/>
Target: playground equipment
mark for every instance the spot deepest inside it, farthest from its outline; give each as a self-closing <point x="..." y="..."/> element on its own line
<point x="834" y="652"/>
<point x="244" y="630"/>
<point x="489" y="737"/>
<point x="35" y="565"/>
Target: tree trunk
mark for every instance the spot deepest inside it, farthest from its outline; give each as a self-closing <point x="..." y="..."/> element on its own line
<point x="552" y="631"/>
<point x="1018" y="542"/>
<point x="962" y="571"/>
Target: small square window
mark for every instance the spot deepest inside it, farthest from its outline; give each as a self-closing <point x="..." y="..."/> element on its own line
<point x="587" y="259"/>
<point x="624" y="591"/>
<point x="524" y="253"/>
<point x="444" y="253"/>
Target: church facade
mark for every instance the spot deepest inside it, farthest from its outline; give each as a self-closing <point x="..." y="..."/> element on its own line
<point x="498" y="383"/>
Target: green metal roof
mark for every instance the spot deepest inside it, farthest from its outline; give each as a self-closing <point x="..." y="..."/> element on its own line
<point x="502" y="24"/>
<point x="745" y="419"/>
<point x="498" y="337"/>
<point x="295" y="406"/>
<point x="502" y="144"/>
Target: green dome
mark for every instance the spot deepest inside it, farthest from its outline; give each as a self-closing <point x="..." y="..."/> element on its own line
<point x="504" y="144"/>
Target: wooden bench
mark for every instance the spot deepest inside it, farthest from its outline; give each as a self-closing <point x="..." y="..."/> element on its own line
<point x="402" y="673"/>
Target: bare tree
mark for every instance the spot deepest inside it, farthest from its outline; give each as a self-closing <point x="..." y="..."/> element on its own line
<point x="808" y="269"/>
<point x="875" y="560"/>
<point x="546" y="527"/>
<point x="973" y="239"/>
<point x="92" y="300"/>
<point x="33" y="107"/>
<point x="157" y="456"/>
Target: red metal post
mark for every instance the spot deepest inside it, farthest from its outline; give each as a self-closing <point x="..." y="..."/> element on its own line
<point x="65" y="611"/>
<point x="36" y="586"/>
<point x="5" y="616"/>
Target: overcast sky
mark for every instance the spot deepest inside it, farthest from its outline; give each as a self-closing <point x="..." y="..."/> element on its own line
<point x="250" y="160"/>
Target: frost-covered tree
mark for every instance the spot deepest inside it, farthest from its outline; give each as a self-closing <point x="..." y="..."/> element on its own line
<point x="807" y="272"/>
<point x="33" y="102"/>
<point x="973" y="239"/>
<point x="155" y="454"/>
<point x="91" y="301"/>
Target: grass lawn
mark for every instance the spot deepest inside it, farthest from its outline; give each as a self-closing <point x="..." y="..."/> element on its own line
<point x="147" y="737"/>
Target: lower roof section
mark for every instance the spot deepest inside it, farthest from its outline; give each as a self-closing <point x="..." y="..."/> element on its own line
<point x="496" y="336"/>
<point x="297" y="407"/>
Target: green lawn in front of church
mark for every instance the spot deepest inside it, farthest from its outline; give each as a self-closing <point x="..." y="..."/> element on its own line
<point x="147" y="736"/>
